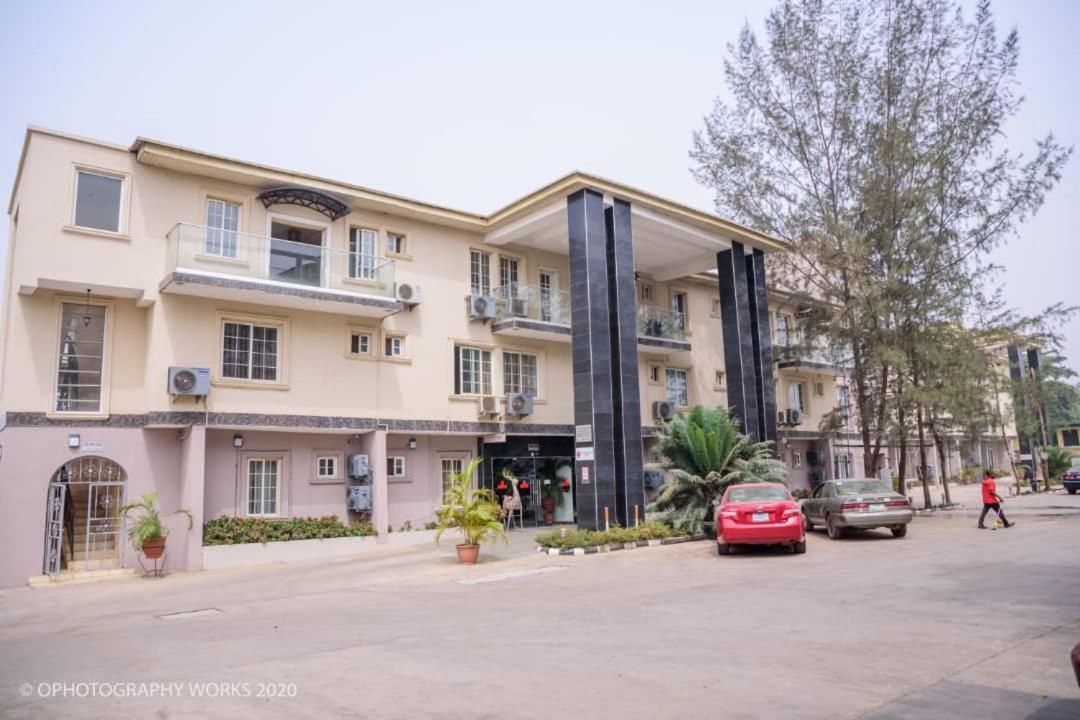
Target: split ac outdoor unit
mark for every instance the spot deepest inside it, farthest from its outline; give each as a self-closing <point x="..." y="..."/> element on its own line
<point x="794" y="416"/>
<point x="358" y="467"/>
<point x="358" y="498"/>
<point x="189" y="381"/>
<point x="408" y="294"/>
<point x="519" y="404"/>
<point x="781" y="417"/>
<point x="489" y="405"/>
<point x="481" y="307"/>
<point x="663" y="410"/>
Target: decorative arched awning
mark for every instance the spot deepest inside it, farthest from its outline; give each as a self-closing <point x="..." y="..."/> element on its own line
<point x="328" y="205"/>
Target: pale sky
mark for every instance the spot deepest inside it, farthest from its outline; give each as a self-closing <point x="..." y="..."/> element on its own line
<point x="469" y="108"/>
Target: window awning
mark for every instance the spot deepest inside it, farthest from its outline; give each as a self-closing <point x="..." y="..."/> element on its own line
<point x="328" y="205"/>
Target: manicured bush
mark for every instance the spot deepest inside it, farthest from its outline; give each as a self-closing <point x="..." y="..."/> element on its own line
<point x="227" y="530"/>
<point x="565" y="540"/>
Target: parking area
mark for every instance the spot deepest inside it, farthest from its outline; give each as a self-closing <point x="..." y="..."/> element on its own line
<point x="948" y="622"/>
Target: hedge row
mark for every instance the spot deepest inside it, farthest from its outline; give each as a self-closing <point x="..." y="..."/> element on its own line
<point x="236" y="530"/>
<point x="565" y="540"/>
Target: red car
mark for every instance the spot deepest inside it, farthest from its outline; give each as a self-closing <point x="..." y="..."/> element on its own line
<point x="758" y="514"/>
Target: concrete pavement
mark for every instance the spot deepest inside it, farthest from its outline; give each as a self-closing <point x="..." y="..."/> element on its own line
<point x="939" y="624"/>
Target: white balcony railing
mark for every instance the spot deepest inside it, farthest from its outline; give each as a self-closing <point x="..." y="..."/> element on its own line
<point x="256" y="257"/>
<point x="661" y="324"/>
<point x="530" y="302"/>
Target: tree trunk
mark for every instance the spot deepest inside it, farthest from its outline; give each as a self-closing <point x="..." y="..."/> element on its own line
<point x="901" y="428"/>
<point x="927" y="502"/>
<point x="942" y="451"/>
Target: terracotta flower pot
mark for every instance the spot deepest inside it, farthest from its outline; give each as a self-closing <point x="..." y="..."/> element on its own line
<point x="153" y="548"/>
<point x="467" y="554"/>
<point x="548" y="504"/>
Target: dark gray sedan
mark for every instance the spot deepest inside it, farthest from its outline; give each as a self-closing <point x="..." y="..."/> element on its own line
<point x="863" y="504"/>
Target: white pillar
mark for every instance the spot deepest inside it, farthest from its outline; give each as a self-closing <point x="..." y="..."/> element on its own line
<point x="380" y="502"/>
<point x="192" y="486"/>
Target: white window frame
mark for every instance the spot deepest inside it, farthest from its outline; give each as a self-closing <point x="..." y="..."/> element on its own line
<point x="226" y="238"/>
<point x="795" y="392"/>
<point x="654" y="374"/>
<point x="282" y="327"/>
<point x="395" y="466"/>
<point x="484" y="380"/>
<point x="460" y="459"/>
<point x="280" y="462"/>
<point x="645" y="293"/>
<point x="669" y="373"/>
<point x="680" y="297"/>
<point x="718" y="380"/>
<point x="796" y="459"/>
<point x="394" y="345"/>
<point x="479" y="272"/>
<point x="79" y="170"/>
<point x="362" y="265"/>
<point x="358" y="335"/>
<point x="508" y="383"/>
<point x="106" y="359"/>
<point x="335" y="462"/>
<point x="783" y="330"/>
<point x="396" y="243"/>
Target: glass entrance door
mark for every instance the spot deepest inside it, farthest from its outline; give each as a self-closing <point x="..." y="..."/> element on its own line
<point x="538" y="481"/>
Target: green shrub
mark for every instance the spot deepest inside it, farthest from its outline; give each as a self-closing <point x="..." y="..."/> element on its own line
<point x="568" y="539"/>
<point x="227" y="530"/>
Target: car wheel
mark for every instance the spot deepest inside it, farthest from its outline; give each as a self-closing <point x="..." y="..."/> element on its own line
<point x="1072" y="491"/>
<point x="835" y="531"/>
<point x="799" y="548"/>
<point x="808" y="526"/>
<point x="899" y="531"/>
<point x="723" y="549"/>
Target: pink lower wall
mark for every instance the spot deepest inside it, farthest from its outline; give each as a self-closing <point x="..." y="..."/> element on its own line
<point x="30" y="457"/>
<point x="415" y="497"/>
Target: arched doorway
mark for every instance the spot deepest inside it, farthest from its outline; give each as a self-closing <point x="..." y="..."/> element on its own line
<point x="83" y="526"/>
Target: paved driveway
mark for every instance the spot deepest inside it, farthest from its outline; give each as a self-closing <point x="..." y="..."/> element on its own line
<point x="950" y="622"/>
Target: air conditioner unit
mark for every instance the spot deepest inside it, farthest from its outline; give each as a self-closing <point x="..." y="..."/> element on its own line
<point x="358" y="498"/>
<point x="813" y="458"/>
<point x="489" y="405"/>
<point x="781" y="417"/>
<point x="794" y="417"/>
<point x="481" y="307"/>
<point x="189" y="381"/>
<point x="359" y="468"/>
<point x="663" y="410"/>
<point x="407" y="294"/>
<point x="519" y="404"/>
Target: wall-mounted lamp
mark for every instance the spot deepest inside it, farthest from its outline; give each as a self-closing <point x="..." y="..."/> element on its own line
<point x="238" y="440"/>
<point x="412" y="443"/>
<point x="74" y="440"/>
<point x="86" y="320"/>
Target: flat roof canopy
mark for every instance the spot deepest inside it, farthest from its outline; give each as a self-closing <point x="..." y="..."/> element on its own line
<point x="664" y="248"/>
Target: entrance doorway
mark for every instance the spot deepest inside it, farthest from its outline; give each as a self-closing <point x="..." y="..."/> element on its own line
<point x="537" y="478"/>
<point x="83" y="526"/>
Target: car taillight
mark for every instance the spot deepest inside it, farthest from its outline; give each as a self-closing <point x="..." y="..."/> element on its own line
<point x="855" y="506"/>
<point x="897" y="503"/>
<point x="790" y="513"/>
<point x="731" y="514"/>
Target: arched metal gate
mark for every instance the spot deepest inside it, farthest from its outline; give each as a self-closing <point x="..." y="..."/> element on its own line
<point x="83" y="526"/>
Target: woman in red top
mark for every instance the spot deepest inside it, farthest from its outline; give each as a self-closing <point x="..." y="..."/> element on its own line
<point x="991" y="500"/>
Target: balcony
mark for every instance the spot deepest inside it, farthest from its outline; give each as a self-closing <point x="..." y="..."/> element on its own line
<point x="659" y="328"/>
<point x="811" y="357"/>
<point x="210" y="262"/>
<point x="533" y="312"/>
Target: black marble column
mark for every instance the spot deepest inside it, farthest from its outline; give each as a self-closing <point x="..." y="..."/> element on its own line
<point x="738" y="339"/>
<point x="762" y="340"/>
<point x="591" y="345"/>
<point x="626" y="397"/>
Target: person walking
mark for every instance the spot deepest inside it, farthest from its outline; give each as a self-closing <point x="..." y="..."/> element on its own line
<point x="991" y="501"/>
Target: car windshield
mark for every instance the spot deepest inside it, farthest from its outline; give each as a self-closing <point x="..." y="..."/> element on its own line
<point x="755" y="494"/>
<point x="1075" y="467"/>
<point x="861" y="487"/>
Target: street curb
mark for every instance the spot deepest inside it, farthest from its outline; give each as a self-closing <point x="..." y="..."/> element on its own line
<point x="594" y="549"/>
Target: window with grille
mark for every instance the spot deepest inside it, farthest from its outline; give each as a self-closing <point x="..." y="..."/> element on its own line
<point x="263" y="483"/>
<point x="249" y="351"/>
<point x="362" y="258"/>
<point x="473" y="371"/>
<point x="395" y="346"/>
<point x="360" y="343"/>
<point x="82" y="358"/>
<point x="783" y="333"/>
<point x="520" y="373"/>
<point x="479" y="272"/>
<point x="795" y="396"/>
<point x="678" y="391"/>
<point x="326" y="467"/>
<point x="222" y="224"/>
<point x="395" y="243"/>
<point x="395" y="466"/>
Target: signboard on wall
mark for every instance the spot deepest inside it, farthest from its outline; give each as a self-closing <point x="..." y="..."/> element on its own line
<point x="93" y="446"/>
<point x="583" y="433"/>
<point x="584" y="454"/>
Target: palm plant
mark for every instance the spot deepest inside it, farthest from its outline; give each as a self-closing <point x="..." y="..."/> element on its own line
<point x="1058" y="460"/>
<point x="473" y="511"/>
<point x="705" y="452"/>
<point x="149" y="526"/>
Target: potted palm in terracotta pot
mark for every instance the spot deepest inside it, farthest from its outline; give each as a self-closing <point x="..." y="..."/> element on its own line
<point x="473" y="511"/>
<point x="551" y="494"/>
<point x="148" y="533"/>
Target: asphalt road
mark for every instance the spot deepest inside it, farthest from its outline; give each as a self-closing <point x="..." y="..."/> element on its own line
<point x="950" y="622"/>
